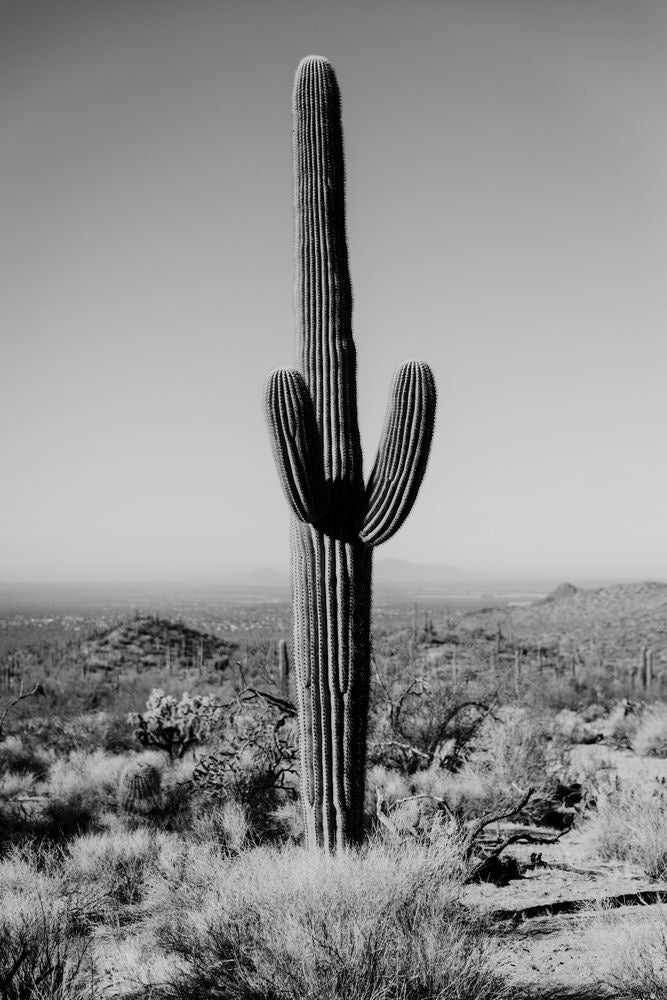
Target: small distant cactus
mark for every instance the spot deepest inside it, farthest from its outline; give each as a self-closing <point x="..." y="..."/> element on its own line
<point x="139" y="787"/>
<point x="283" y="669"/>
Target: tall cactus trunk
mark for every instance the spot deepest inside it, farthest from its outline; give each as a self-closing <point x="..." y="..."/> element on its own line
<point x="312" y="417"/>
<point x="332" y="605"/>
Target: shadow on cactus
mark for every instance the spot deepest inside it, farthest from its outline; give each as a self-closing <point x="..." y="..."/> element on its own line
<point x="337" y="518"/>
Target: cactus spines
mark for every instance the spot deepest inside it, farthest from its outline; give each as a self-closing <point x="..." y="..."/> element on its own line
<point x="139" y="786"/>
<point x="337" y="519"/>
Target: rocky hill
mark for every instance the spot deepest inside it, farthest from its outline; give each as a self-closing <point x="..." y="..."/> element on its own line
<point x="617" y="620"/>
<point x="149" y="642"/>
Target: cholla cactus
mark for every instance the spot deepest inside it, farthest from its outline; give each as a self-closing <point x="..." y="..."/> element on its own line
<point x="139" y="786"/>
<point x="337" y="518"/>
<point x="174" y="726"/>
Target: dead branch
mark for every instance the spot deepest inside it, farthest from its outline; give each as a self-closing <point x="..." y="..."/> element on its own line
<point x="482" y="822"/>
<point x="442" y="804"/>
<point x="442" y="728"/>
<point x="406" y="747"/>
<point x="532" y="834"/>
<point x="249" y="693"/>
<point x="382" y="813"/>
<point x="22" y="695"/>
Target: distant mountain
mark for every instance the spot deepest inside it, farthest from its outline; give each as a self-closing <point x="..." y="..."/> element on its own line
<point x="400" y="571"/>
<point x="562" y="592"/>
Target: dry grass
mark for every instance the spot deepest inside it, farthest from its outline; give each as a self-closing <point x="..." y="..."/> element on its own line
<point x="628" y="950"/>
<point x="511" y="752"/>
<point x="16" y="758"/>
<point x="631" y="825"/>
<point x="108" y="870"/>
<point x="650" y="736"/>
<point x="171" y="918"/>
<point x="45" y="951"/>
<point x="282" y="923"/>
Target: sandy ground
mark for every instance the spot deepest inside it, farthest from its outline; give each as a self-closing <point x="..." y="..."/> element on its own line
<point x="560" y="926"/>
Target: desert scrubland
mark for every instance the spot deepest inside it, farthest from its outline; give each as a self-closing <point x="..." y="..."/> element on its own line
<point x="151" y="832"/>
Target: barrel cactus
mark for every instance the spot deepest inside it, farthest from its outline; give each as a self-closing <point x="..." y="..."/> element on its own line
<point x="337" y="519"/>
<point x="139" y="786"/>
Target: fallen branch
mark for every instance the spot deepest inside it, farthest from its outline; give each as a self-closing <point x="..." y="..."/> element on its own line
<point x="480" y="824"/>
<point x="382" y="813"/>
<point x="441" y="803"/>
<point x="532" y="834"/>
<point x="405" y="747"/>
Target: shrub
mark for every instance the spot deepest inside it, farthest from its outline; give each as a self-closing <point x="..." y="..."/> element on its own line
<point x="91" y="774"/>
<point x="62" y="818"/>
<point x="19" y="759"/>
<point x="224" y="822"/>
<point x="517" y="748"/>
<point x="650" y="737"/>
<point x="254" y="763"/>
<point x="631" y="825"/>
<point x="40" y="957"/>
<point x="270" y="923"/>
<point x="106" y="871"/>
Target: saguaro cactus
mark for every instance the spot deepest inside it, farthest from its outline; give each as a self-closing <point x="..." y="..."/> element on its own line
<point x="283" y="668"/>
<point x="337" y="519"/>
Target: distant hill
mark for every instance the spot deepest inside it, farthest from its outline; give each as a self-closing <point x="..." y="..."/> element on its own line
<point x="148" y="641"/>
<point x="623" y="617"/>
<point x="562" y="592"/>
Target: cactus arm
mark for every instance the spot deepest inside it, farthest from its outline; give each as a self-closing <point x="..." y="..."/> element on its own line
<point x="295" y="442"/>
<point x="403" y="453"/>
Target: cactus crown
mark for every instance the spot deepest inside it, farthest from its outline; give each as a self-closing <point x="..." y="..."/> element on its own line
<point x="312" y="413"/>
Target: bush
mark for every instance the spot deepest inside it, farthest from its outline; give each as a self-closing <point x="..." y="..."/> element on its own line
<point x="631" y="825"/>
<point x="254" y="763"/>
<point x="270" y="923"/>
<point x="40" y="957"/>
<point x="650" y="737"/>
<point x="223" y="822"/>
<point x="517" y="749"/>
<point x="92" y="774"/>
<point x="19" y="759"/>
<point x="107" y="870"/>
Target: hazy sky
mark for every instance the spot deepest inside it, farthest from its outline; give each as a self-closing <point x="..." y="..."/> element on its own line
<point x="507" y="222"/>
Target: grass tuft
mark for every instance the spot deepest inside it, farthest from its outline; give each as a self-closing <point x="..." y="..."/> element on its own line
<point x="378" y="924"/>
